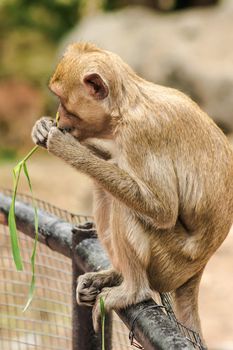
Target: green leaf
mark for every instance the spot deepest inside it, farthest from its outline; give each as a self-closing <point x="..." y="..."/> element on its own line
<point x="12" y="223"/>
<point x="33" y="280"/>
<point x="34" y="149"/>
<point x="102" y="312"/>
<point x="11" y="216"/>
<point x="17" y="170"/>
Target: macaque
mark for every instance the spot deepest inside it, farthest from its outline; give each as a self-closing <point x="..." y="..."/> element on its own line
<point x="163" y="176"/>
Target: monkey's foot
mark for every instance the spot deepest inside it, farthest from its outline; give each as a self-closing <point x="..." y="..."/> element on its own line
<point x="116" y="298"/>
<point x="91" y="284"/>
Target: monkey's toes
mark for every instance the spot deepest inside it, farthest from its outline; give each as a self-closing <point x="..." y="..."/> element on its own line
<point x="87" y="296"/>
<point x="88" y="225"/>
<point x="87" y="290"/>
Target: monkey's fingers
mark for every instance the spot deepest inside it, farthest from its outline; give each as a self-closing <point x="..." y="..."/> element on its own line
<point x="45" y="124"/>
<point x="87" y="289"/>
<point x="87" y="296"/>
<point x="40" y="131"/>
<point x="38" y="138"/>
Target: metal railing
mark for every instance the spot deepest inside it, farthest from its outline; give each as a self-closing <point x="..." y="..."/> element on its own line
<point x="54" y="320"/>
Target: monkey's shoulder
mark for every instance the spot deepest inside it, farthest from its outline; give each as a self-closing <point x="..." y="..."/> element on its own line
<point x="171" y="118"/>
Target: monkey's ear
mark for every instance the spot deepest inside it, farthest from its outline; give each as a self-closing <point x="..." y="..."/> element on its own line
<point x="96" y="87"/>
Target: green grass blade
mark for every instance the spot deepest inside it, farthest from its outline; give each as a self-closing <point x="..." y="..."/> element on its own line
<point x="11" y="220"/>
<point x="12" y="223"/>
<point x="102" y="312"/>
<point x="33" y="280"/>
<point x="11" y="216"/>
<point x="33" y="150"/>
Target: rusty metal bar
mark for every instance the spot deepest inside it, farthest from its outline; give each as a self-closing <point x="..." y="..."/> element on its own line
<point x="53" y="231"/>
<point x="83" y="334"/>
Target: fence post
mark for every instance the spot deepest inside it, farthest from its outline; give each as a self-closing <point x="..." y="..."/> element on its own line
<point x="83" y="335"/>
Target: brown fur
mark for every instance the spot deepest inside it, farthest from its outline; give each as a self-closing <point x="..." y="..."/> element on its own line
<point x="164" y="202"/>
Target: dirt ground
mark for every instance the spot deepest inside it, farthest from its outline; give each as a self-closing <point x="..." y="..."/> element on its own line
<point x="53" y="182"/>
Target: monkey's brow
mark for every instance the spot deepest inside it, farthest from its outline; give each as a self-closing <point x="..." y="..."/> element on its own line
<point x="60" y="98"/>
<point x="62" y="102"/>
<point x="68" y="111"/>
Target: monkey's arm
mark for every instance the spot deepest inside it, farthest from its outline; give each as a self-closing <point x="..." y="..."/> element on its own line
<point x="99" y="148"/>
<point x="160" y="204"/>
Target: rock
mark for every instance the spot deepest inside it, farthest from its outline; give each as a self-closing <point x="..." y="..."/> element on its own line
<point x="190" y="50"/>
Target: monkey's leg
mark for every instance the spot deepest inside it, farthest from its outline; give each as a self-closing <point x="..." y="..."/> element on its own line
<point x="130" y="291"/>
<point x="90" y="285"/>
<point x="186" y="303"/>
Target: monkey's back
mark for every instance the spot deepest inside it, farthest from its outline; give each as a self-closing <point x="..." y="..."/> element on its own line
<point x="203" y="163"/>
<point x="203" y="160"/>
<point x="201" y="153"/>
<point x="175" y="130"/>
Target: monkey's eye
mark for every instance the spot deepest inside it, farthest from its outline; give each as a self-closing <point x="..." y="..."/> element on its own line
<point x="72" y="116"/>
<point x="69" y="114"/>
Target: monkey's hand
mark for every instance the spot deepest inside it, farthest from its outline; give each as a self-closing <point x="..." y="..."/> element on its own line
<point x="41" y="130"/>
<point x="64" y="145"/>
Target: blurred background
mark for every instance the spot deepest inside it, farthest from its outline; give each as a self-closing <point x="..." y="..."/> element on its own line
<point x="186" y="44"/>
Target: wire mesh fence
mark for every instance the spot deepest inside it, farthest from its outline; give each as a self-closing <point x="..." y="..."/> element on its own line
<point x="46" y="325"/>
<point x="47" y="322"/>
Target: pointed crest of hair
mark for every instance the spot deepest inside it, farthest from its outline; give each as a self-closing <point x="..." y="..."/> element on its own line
<point x="82" y="47"/>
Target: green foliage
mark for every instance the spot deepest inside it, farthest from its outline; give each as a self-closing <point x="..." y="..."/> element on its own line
<point x="33" y="256"/>
<point x="109" y="5"/>
<point x="27" y="55"/>
<point x="30" y="31"/>
<point x="52" y="18"/>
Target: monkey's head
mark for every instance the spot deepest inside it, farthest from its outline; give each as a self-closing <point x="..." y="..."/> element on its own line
<point x="85" y="81"/>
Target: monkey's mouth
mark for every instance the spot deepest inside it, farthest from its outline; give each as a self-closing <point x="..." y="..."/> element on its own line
<point x="72" y="131"/>
<point x="65" y="130"/>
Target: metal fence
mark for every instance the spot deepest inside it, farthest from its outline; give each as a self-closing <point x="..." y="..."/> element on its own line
<point x="54" y="321"/>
